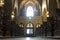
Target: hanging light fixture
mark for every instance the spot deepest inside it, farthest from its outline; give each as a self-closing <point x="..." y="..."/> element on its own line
<point x="47" y="14"/>
<point x="1" y="3"/>
<point x="12" y="16"/>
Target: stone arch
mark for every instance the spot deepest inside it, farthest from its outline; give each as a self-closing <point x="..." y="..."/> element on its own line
<point x="27" y="2"/>
<point x="21" y="25"/>
<point x="15" y="5"/>
<point x="38" y="25"/>
<point x="30" y="24"/>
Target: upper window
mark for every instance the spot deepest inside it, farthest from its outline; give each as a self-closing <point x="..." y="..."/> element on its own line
<point x="30" y="11"/>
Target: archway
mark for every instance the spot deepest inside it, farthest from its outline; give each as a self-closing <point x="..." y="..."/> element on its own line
<point x="29" y="29"/>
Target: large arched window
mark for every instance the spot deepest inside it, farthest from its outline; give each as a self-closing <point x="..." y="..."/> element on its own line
<point x="30" y="11"/>
<point x="29" y="8"/>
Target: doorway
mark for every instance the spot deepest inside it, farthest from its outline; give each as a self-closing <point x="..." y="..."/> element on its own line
<point x="29" y="29"/>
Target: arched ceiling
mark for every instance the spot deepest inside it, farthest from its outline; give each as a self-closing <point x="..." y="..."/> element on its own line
<point x="26" y="2"/>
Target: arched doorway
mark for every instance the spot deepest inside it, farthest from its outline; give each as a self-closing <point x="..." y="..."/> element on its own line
<point x="29" y="29"/>
<point x="21" y="27"/>
<point x="37" y="31"/>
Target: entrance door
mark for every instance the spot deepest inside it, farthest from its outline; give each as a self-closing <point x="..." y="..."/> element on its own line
<point x="29" y="29"/>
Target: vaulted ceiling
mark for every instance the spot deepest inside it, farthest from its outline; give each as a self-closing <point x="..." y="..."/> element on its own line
<point x="36" y="1"/>
<point x="27" y="2"/>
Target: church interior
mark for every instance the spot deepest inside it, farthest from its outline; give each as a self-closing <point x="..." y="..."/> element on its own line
<point x="21" y="18"/>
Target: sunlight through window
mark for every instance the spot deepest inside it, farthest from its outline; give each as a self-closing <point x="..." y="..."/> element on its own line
<point x="30" y="11"/>
<point x="28" y="31"/>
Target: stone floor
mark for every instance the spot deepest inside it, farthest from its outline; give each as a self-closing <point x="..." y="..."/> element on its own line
<point x="28" y="38"/>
